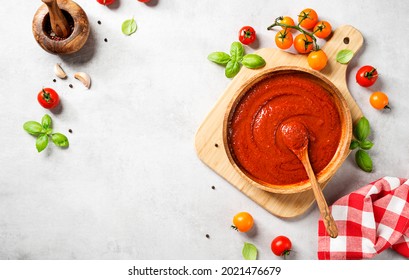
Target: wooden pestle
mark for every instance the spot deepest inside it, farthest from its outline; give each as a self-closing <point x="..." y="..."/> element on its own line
<point x="59" y="23"/>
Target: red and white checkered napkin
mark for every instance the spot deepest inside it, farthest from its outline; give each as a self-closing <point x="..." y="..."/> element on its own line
<point x="369" y="220"/>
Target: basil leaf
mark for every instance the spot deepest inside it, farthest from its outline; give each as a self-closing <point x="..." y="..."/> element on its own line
<point x="60" y="140"/>
<point x="249" y="251"/>
<point x="232" y="68"/>
<point x="129" y="27"/>
<point x="354" y="144"/>
<point x="32" y="127"/>
<point x="345" y="56"/>
<point x="366" y="145"/>
<point x="236" y="51"/>
<point x="362" y="129"/>
<point x="363" y="160"/>
<point x="42" y="142"/>
<point x="219" y="57"/>
<point x="46" y="121"/>
<point x="48" y="131"/>
<point x="253" y="61"/>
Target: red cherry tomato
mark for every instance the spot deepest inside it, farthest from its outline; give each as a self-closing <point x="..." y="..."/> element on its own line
<point x="281" y="246"/>
<point x="247" y="35"/>
<point x="48" y="98"/>
<point x="106" y="2"/>
<point x="243" y="222"/>
<point x="144" y="1"/>
<point x="366" y="76"/>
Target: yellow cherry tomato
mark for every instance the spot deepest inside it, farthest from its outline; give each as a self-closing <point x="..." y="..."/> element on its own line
<point x="243" y="221"/>
<point x="322" y="29"/>
<point x="379" y="100"/>
<point x="308" y="18"/>
<point x="288" y="21"/>
<point x="284" y="39"/>
<point x="303" y="43"/>
<point x="317" y="60"/>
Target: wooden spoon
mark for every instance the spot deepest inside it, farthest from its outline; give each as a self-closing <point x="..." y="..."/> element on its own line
<point x="59" y="23"/>
<point x="295" y="137"/>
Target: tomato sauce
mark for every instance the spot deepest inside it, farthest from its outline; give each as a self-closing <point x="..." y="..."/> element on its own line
<point x="254" y="128"/>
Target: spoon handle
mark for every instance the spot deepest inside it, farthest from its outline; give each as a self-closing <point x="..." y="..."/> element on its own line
<point x="326" y="215"/>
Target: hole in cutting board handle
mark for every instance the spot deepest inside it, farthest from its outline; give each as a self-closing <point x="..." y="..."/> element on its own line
<point x="346" y="40"/>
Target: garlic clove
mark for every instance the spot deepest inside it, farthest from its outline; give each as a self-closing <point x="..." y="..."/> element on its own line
<point x="83" y="78"/>
<point x="59" y="72"/>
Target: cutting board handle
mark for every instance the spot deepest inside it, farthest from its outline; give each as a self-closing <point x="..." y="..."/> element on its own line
<point x="344" y="37"/>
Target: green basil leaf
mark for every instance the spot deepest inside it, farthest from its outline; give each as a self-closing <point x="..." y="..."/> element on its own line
<point x="48" y="131"/>
<point x="253" y="61"/>
<point x="32" y="127"/>
<point x="236" y="51"/>
<point x="366" y="145"/>
<point x="129" y="27"/>
<point x="219" y="57"/>
<point x="363" y="160"/>
<point x="42" y="142"/>
<point x="232" y="68"/>
<point x="362" y="129"/>
<point x="345" y="56"/>
<point x="46" y="121"/>
<point x="354" y="144"/>
<point x="249" y="251"/>
<point x="60" y="140"/>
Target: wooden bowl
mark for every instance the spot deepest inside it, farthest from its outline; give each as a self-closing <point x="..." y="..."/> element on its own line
<point x="75" y="41"/>
<point x="340" y="153"/>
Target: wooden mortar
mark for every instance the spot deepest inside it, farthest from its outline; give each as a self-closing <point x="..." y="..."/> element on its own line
<point x="61" y="26"/>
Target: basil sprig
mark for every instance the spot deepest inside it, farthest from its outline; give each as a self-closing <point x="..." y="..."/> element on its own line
<point x="361" y="132"/>
<point x="236" y="58"/>
<point x="43" y="132"/>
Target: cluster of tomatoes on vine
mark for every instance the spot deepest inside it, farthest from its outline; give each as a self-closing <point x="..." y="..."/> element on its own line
<point x="305" y="42"/>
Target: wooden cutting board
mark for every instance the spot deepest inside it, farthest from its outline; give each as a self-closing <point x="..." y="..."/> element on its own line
<point x="209" y="138"/>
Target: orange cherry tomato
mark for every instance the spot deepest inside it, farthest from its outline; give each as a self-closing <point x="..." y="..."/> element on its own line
<point x="284" y="39"/>
<point x="303" y="43"/>
<point x="322" y="29"/>
<point x="308" y="18"/>
<point x="379" y="100"/>
<point x="317" y="60"/>
<point x="288" y="21"/>
<point x="243" y="221"/>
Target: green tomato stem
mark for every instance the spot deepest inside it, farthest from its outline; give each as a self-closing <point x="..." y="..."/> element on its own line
<point x="297" y="27"/>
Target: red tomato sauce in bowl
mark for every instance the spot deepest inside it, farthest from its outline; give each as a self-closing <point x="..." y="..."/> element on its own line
<point x="254" y="123"/>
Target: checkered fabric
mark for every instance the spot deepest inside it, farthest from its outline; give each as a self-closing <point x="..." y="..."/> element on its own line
<point x="369" y="220"/>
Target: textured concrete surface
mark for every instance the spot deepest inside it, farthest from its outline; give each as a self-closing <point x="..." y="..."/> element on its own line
<point x="130" y="185"/>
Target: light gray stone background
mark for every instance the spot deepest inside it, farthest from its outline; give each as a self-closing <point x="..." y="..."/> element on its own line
<point x="130" y="186"/>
